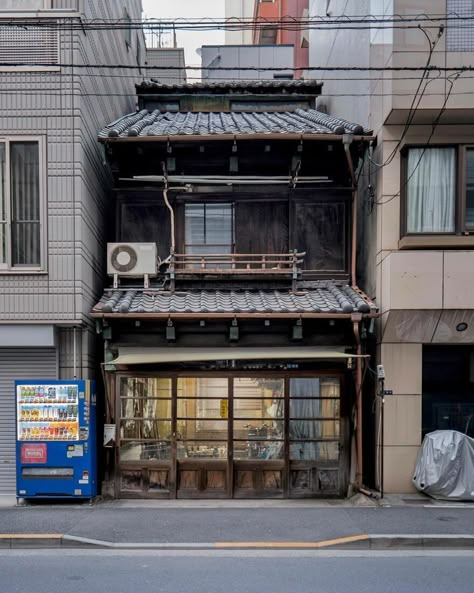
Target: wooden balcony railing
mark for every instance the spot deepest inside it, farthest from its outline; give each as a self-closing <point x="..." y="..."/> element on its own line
<point x="188" y="265"/>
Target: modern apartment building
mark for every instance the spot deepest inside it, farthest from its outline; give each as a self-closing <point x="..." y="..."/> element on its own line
<point x="169" y="64"/>
<point x="54" y="187"/>
<point x="268" y="29"/>
<point x="238" y="10"/>
<point x="276" y="20"/>
<point x="246" y="62"/>
<point x="416" y="216"/>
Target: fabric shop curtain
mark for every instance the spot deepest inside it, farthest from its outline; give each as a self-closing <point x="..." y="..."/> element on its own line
<point x="431" y="189"/>
<point x="305" y="405"/>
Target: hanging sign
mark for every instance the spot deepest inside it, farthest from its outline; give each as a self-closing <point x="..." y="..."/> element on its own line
<point x="109" y="435"/>
<point x="224" y="408"/>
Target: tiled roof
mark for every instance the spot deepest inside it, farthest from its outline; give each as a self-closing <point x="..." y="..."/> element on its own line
<point x="227" y="87"/>
<point x="156" y="123"/>
<point x="328" y="297"/>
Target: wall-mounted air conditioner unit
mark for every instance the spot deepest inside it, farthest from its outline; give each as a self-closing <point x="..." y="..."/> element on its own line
<point x="134" y="260"/>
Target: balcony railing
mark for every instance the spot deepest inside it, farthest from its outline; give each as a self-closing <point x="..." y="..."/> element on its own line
<point x="186" y="265"/>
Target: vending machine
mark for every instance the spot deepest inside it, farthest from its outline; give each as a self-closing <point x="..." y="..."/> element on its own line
<point x="56" y="453"/>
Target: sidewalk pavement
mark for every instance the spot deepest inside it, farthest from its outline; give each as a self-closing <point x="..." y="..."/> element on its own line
<point x="395" y="522"/>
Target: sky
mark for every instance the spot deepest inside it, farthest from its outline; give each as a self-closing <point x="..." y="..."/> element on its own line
<point x="190" y="40"/>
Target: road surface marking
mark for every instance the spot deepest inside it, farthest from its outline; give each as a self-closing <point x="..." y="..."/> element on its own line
<point x="321" y="544"/>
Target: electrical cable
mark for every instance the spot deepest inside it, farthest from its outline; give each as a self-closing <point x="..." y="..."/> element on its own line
<point x="433" y="128"/>
<point x="286" y="22"/>
<point x="247" y="68"/>
<point x="413" y="107"/>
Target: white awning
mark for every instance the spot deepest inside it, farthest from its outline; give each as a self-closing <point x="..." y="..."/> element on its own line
<point x="141" y="355"/>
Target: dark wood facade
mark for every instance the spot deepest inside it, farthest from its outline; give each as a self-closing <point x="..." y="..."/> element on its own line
<point x="280" y="220"/>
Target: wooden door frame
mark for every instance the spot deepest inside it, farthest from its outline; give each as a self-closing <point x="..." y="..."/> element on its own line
<point x="231" y="465"/>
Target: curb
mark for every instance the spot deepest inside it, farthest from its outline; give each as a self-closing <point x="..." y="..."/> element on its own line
<point x="354" y="542"/>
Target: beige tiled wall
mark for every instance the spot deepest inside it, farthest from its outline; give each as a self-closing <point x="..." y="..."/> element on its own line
<point x="402" y="414"/>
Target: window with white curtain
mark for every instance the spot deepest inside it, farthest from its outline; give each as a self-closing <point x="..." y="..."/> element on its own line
<point x="431" y="190"/>
<point x="20" y="204"/>
<point x="439" y="190"/>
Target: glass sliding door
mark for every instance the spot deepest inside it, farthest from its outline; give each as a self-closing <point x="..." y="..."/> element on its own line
<point x="202" y="436"/>
<point x="145" y="436"/>
<point x="209" y="436"/>
<point x="258" y="436"/>
<point x="314" y="435"/>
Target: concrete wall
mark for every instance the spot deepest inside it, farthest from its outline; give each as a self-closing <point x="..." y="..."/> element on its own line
<point x="261" y="56"/>
<point x="65" y="107"/>
<point x="239" y="9"/>
<point x="166" y="56"/>
<point x="345" y="94"/>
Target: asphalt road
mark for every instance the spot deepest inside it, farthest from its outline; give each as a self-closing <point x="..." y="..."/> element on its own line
<point x="266" y="571"/>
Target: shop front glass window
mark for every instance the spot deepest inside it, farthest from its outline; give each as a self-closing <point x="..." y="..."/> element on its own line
<point x="314" y="419"/>
<point x="145" y="418"/>
<point x="202" y="420"/>
<point x="258" y="418"/>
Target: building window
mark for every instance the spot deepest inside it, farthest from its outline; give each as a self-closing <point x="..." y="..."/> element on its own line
<point x="460" y="32"/>
<point x="209" y="228"/>
<point x="268" y="35"/>
<point x="20" y="204"/>
<point x="436" y="201"/>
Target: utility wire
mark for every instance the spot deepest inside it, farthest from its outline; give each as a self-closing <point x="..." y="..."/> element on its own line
<point x="415" y="103"/>
<point x="432" y="68"/>
<point x="206" y="24"/>
<point x="425" y="147"/>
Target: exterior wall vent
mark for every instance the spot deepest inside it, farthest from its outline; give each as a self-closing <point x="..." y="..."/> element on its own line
<point x="32" y="45"/>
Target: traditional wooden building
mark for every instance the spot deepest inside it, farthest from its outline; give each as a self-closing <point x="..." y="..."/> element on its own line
<point x="232" y="324"/>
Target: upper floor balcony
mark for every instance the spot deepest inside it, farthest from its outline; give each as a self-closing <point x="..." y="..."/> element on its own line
<point x="276" y="266"/>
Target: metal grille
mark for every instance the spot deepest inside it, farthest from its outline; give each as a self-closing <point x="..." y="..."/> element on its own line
<point x="29" y="44"/>
<point x="17" y="363"/>
<point x="460" y="33"/>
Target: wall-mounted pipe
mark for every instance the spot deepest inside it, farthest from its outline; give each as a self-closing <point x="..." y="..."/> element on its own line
<point x="347" y="141"/>
<point x="168" y="205"/>
<point x="74" y="353"/>
<point x="358" y="403"/>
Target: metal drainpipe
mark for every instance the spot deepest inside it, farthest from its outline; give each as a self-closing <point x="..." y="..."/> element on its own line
<point x="358" y="402"/>
<point x="168" y="205"/>
<point x="347" y="140"/>
<point x="74" y="354"/>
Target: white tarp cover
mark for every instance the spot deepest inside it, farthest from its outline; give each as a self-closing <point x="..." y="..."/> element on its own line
<point x="445" y="466"/>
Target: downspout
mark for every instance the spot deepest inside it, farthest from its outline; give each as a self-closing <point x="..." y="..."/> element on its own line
<point x="356" y="320"/>
<point x="168" y="205"/>
<point x="347" y="141"/>
<point x="74" y="354"/>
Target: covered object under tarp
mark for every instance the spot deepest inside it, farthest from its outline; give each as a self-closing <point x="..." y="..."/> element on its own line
<point x="445" y="466"/>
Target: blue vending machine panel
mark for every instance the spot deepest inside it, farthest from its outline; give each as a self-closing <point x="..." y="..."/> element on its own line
<point x="56" y="453"/>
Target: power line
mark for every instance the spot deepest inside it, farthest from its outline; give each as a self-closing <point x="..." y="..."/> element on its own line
<point x="431" y="68"/>
<point x="416" y="101"/>
<point x="205" y="24"/>
<point x="425" y="147"/>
